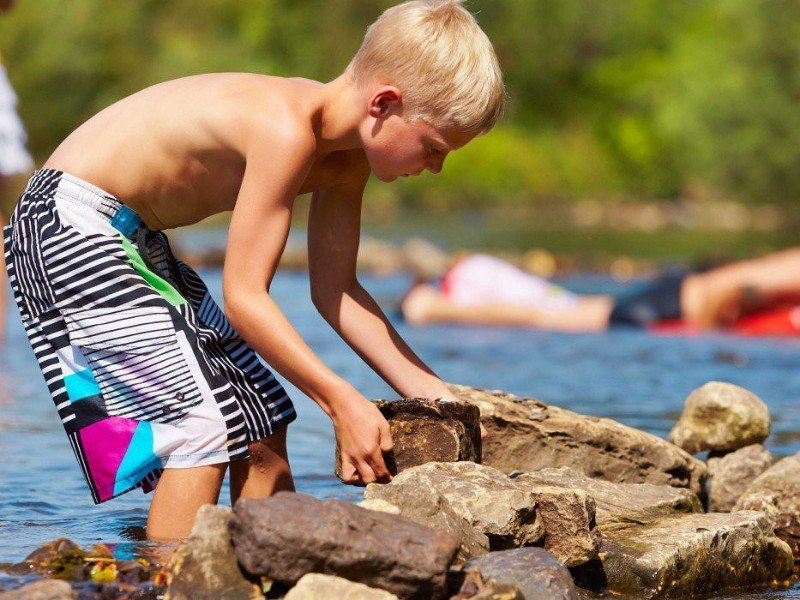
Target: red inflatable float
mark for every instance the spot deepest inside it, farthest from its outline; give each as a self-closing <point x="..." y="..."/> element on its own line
<point x="777" y="322"/>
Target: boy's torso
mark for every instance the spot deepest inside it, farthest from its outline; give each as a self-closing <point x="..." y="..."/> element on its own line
<point x="175" y="152"/>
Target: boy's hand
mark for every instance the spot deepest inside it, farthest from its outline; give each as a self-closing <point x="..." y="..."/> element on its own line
<point x="363" y="435"/>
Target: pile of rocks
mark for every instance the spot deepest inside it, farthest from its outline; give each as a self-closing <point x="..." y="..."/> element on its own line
<point x="563" y="506"/>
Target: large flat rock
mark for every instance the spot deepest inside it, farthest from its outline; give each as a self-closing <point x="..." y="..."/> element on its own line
<point x="620" y="502"/>
<point x="507" y="513"/>
<point x="527" y="435"/>
<point x="327" y="587"/>
<point x="290" y="535"/>
<point x="689" y="555"/>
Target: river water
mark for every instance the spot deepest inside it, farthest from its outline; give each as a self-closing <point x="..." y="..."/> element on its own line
<point x="631" y="376"/>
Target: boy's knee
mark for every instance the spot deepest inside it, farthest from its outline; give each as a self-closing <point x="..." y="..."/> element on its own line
<point x="269" y="449"/>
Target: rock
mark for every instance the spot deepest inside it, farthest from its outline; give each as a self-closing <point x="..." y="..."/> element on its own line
<point x="722" y="417"/>
<point x="729" y="475"/>
<point x="779" y="486"/>
<point x="428" y="431"/>
<point x="620" y="502"/>
<point x="485" y="498"/>
<point x="289" y="535"/>
<point x="536" y="573"/>
<point x="379" y="258"/>
<point x="50" y="589"/>
<point x="426" y="260"/>
<point x="61" y="558"/>
<point x="509" y="514"/>
<point x="425" y="505"/>
<point x="527" y="435"/>
<point x="204" y="565"/>
<point x="382" y="506"/>
<point x="325" y="587"/>
<point x="689" y="555"/>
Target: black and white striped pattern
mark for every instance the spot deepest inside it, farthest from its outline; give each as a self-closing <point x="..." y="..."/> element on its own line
<point x="77" y="288"/>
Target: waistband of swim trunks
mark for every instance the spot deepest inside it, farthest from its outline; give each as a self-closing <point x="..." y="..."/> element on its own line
<point x="74" y="189"/>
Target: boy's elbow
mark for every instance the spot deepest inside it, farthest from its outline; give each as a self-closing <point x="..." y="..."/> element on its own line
<point x="327" y="298"/>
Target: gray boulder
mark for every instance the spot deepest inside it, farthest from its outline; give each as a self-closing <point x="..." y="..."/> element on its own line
<point x="315" y="586"/>
<point x="536" y="573"/>
<point x="50" y="589"/>
<point x="528" y="435"/>
<point x="428" y="431"/>
<point x="777" y="490"/>
<point x="689" y="555"/>
<point x="509" y="514"/>
<point x="290" y="535"/>
<point x="620" y="502"/>
<point x="488" y="501"/>
<point x="722" y="417"/>
<point x="427" y="506"/>
<point x="730" y="474"/>
<point x="204" y="566"/>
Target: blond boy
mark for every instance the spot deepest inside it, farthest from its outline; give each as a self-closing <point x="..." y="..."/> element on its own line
<point x="150" y="378"/>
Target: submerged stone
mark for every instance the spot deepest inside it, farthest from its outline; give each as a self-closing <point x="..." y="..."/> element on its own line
<point x="689" y="555"/>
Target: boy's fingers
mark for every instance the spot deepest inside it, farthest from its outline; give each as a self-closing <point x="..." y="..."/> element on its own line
<point x="378" y="467"/>
<point x="484" y="433"/>
<point x="386" y="438"/>
<point x="365" y="472"/>
<point x="349" y="471"/>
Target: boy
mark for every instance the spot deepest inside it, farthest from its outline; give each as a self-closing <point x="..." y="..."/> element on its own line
<point x="149" y="377"/>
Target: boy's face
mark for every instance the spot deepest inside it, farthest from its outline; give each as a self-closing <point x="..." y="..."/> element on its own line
<point x="396" y="147"/>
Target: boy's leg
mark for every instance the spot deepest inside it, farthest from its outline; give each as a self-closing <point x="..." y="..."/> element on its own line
<point x="265" y="472"/>
<point x="178" y="496"/>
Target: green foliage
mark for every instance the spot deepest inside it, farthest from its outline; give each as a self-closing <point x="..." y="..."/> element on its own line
<point x="607" y="99"/>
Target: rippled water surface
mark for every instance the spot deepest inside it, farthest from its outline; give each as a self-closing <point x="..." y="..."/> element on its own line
<point x="636" y="378"/>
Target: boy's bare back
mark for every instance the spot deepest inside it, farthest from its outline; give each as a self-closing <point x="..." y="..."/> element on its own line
<point x="176" y="152"/>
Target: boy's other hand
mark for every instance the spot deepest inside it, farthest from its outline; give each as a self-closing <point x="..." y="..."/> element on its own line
<point x="363" y="435"/>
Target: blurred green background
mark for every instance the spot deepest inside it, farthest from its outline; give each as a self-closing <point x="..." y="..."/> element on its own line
<point x="639" y="120"/>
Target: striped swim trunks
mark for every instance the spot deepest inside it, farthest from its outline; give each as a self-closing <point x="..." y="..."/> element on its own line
<point x="143" y="366"/>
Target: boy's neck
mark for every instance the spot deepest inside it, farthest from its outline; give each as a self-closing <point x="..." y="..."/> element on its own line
<point x="340" y="114"/>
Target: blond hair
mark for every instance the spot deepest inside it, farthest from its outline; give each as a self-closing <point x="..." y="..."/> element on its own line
<point x="442" y="61"/>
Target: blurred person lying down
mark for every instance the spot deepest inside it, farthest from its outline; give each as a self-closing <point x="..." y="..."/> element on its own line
<point x="483" y="290"/>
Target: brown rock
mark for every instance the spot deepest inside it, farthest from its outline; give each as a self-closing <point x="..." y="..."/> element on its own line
<point x="473" y="587"/>
<point x="620" y="502"/>
<point x="722" y="417"/>
<point x="730" y="474"/>
<point x="290" y="535"/>
<point x="528" y="435"/>
<point x="778" y="487"/>
<point x="50" y="589"/>
<point x="327" y="587"/>
<point x="689" y="555"/>
<point x="204" y="566"/>
<point x="536" y="573"/>
<point x="428" y="431"/>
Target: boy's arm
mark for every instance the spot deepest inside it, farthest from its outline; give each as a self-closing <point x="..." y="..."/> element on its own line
<point x="333" y="237"/>
<point x="258" y="231"/>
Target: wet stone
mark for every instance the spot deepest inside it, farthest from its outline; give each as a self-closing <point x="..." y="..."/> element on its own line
<point x="51" y="589"/>
<point x="536" y="573"/>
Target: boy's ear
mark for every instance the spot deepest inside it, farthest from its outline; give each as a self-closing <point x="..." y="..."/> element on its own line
<point x="384" y="101"/>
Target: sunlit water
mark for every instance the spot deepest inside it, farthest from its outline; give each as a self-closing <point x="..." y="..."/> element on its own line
<point x="634" y="377"/>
